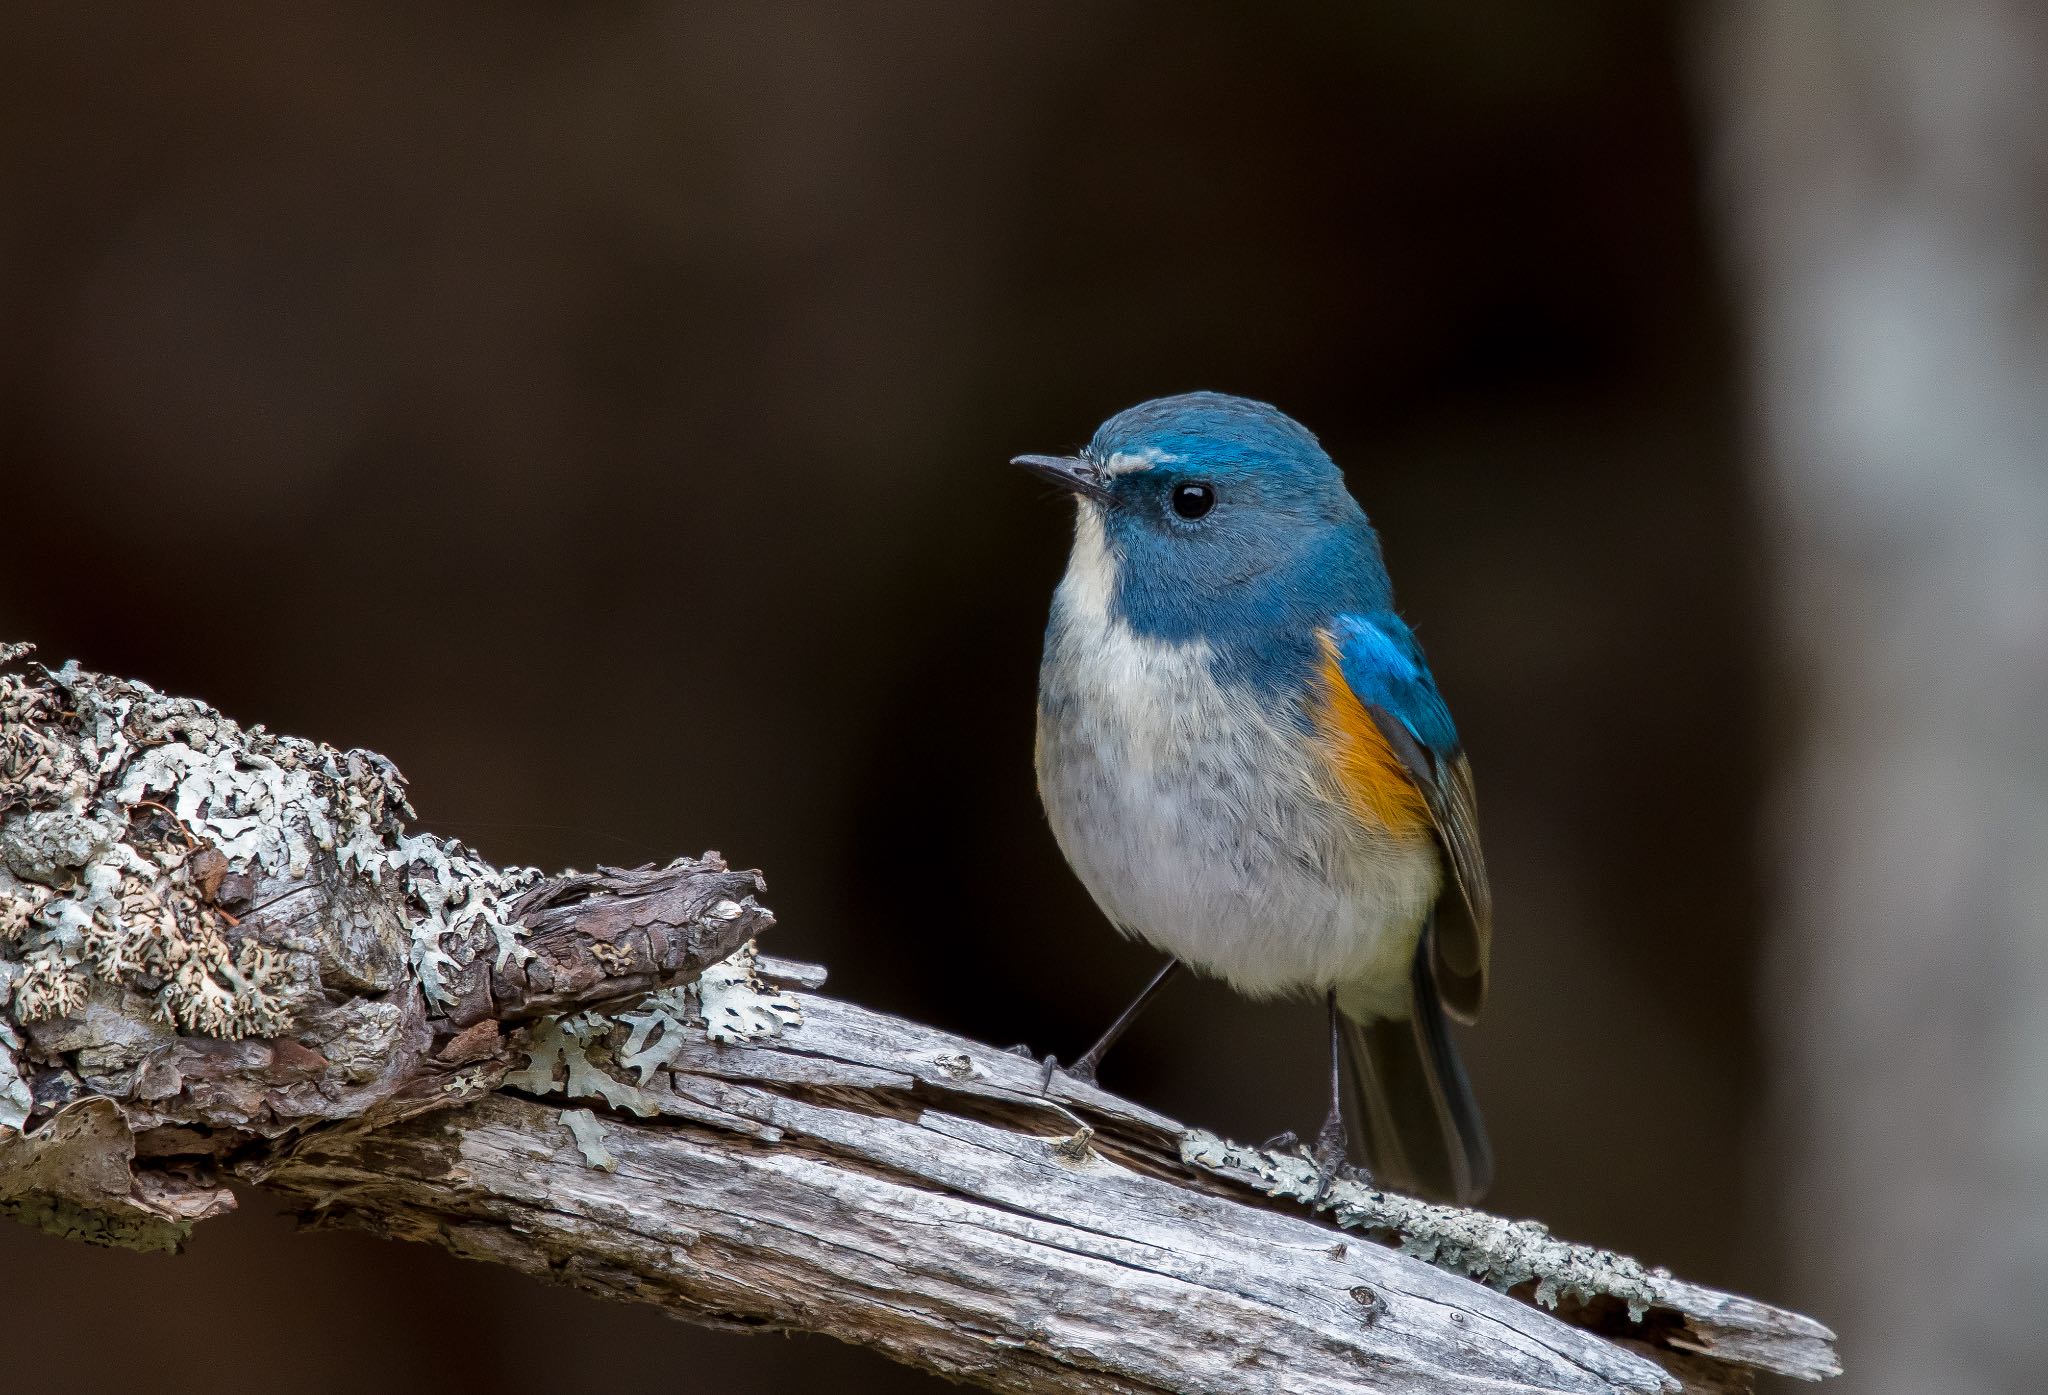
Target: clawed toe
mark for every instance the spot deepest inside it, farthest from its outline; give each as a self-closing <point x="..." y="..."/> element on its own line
<point x="1328" y="1176"/>
<point x="1082" y="1070"/>
<point x="1327" y="1153"/>
<point x="1329" y="1157"/>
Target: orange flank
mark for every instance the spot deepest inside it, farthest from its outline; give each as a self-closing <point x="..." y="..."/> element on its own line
<point x="1378" y="789"/>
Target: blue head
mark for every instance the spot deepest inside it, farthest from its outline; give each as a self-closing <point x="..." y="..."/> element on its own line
<point x="1219" y="518"/>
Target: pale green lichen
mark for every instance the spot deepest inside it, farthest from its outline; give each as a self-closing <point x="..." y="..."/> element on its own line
<point x="15" y="1099"/>
<point x="110" y="790"/>
<point x="590" y="1138"/>
<point x="19" y="901"/>
<point x="127" y="920"/>
<point x="50" y="985"/>
<point x="458" y="895"/>
<point x="733" y="1002"/>
<point x="1500" y="1253"/>
<point x="254" y="809"/>
<point x="656" y="1032"/>
<point x="729" y="1000"/>
<point x="558" y="1063"/>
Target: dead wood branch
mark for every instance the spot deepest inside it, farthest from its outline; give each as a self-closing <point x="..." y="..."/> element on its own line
<point x="223" y="957"/>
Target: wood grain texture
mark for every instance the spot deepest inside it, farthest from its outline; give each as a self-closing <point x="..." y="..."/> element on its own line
<point x="905" y="1189"/>
<point x="880" y="1181"/>
<point x="736" y="1148"/>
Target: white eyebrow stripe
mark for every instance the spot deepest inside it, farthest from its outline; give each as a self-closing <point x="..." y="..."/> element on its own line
<point x="1128" y="462"/>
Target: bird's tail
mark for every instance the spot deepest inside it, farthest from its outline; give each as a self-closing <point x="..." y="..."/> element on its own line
<point x="1411" y="1105"/>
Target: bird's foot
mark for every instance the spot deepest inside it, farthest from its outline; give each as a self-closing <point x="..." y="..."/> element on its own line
<point x="1327" y="1153"/>
<point x="1083" y="1070"/>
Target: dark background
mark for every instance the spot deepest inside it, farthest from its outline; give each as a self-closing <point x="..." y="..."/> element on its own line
<point x="603" y="414"/>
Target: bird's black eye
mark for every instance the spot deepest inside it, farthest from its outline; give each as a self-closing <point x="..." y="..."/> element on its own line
<point x="1191" y="501"/>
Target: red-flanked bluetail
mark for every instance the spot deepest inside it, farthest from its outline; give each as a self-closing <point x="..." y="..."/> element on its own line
<point x="1245" y="759"/>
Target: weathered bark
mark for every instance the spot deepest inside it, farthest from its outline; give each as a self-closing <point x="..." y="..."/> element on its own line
<point x="734" y="1147"/>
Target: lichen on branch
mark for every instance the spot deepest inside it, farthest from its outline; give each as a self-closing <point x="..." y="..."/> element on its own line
<point x="223" y="954"/>
<point x="133" y="827"/>
<point x="221" y="935"/>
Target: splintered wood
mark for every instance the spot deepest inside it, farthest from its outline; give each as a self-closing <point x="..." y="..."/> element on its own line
<point x="593" y="1078"/>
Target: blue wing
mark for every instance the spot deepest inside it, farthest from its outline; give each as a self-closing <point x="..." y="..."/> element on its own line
<point x="1382" y="664"/>
<point x="1384" y="667"/>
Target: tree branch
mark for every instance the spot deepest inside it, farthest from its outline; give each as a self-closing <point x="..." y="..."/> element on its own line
<point x="223" y="957"/>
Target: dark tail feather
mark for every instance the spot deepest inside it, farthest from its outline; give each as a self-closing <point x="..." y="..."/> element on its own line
<point x="1411" y="1104"/>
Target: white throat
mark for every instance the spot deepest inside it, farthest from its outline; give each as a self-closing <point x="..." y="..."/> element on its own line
<point x="1092" y="568"/>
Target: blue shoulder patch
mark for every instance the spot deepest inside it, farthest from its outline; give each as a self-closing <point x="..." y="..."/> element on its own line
<point x="1383" y="664"/>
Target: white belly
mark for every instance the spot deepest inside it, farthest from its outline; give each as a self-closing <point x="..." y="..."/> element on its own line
<point x="1207" y="826"/>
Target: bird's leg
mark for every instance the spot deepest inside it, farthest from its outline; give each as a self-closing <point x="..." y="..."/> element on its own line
<point x="1328" y="1152"/>
<point x="1084" y="1065"/>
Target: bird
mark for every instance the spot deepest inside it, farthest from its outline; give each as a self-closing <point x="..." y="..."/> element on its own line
<point x="1244" y="758"/>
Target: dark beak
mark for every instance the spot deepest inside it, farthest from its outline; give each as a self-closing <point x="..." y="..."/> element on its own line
<point x="1069" y="472"/>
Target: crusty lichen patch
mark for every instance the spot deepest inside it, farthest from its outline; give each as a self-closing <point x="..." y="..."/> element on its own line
<point x="730" y="1000"/>
<point x="16" y="1100"/>
<point x="1500" y="1253"/>
<point x="576" y="1056"/>
<point x="558" y="1051"/>
<point x="590" y="1138"/>
<point x="124" y="812"/>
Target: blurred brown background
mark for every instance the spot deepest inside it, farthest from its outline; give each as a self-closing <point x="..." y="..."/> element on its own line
<point x="601" y="411"/>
